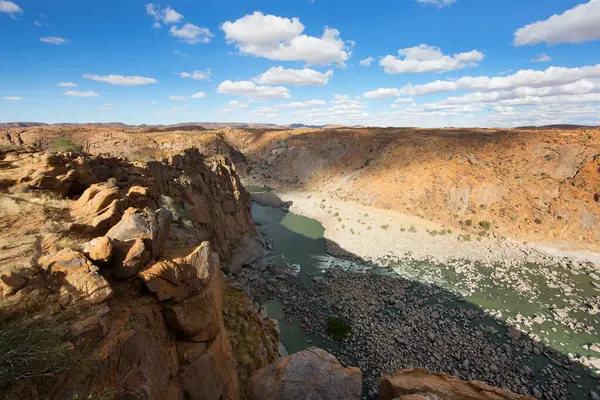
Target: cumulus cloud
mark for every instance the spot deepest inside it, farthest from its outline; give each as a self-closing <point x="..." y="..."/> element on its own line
<point x="278" y="38"/>
<point x="282" y="76"/>
<point x="237" y="104"/>
<point x="12" y="98"/>
<point x="196" y="75"/>
<point x="191" y="34"/>
<point x="199" y="95"/>
<point x="439" y="3"/>
<point x="156" y="25"/>
<point x="76" y="93"/>
<point x="366" y="62"/>
<point x="303" y="104"/>
<point x="577" y="25"/>
<point x="425" y="58"/>
<point x="67" y="84"/>
<point x="165" y="15"/>
<point x="542" y="58"/>
<point x="10" y="8"/>
<point x="382" y="93"/>
<point x="121" y="80"/>
<point x="53" y="40"/>
<point x="553" y="76"/>
<point x="251" y="90"/>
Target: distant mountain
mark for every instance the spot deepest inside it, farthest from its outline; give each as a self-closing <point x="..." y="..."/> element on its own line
<point x="557" y="126"/>
<point x="21" y="124"/>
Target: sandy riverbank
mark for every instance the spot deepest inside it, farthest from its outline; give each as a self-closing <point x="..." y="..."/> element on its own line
<point x="373" y="234"/>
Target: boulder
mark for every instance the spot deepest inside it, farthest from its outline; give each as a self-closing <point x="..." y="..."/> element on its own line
<point x="151" y="226"/>
<point x="75" y="272"/>
<point x="212" y="376"/>
<point x="309" y="374"/>
<point x="420" y="381"/>
<point x="129" y="258"/>
<point x="11" y="282"/>
<point x="97" y="210"/>
<point x="197" y="318"/>
<point x="182" y="276"/>
<point x="99" y="249"/>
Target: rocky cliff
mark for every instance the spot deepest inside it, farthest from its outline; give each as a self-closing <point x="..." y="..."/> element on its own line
<point x="112" y="283"/>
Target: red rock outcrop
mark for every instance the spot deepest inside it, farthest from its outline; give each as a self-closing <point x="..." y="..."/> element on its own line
<point x="420" y="383"/>
<point x="309" y="374"/>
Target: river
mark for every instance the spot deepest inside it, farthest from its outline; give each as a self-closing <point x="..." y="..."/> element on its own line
<point x="298" y="244"/>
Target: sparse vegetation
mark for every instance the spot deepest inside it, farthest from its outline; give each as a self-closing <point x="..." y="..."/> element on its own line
<point x="180" y="214"/>
<point x="33" y="350"/>
<point x="63" y="144"/>
<point x="385" y="227"/>
<point x="412" y="229"/>
<point x="485" y="225"/>
<point x="337" y="328"/>
<point x="537" y="221"/>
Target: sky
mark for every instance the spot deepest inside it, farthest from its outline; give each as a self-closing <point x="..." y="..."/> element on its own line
<point x="427" y="63"/>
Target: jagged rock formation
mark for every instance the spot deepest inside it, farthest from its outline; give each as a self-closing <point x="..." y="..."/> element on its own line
<point x="420" y="384"/>
<point x="141" y="274"/>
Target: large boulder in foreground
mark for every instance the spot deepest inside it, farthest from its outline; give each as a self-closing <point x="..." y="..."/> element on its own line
<point x="309" y="374"/>
<point x="420" y="383"/>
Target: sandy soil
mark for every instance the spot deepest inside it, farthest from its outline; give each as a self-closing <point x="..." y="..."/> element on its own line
<point x="372" y="234"/>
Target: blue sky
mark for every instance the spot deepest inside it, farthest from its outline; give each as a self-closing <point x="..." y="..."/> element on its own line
<point x="423" y="63"/>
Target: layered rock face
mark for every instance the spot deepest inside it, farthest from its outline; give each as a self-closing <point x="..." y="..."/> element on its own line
<point x="142" y="274"/>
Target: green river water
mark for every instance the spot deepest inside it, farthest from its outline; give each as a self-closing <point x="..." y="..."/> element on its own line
<point x="298" y="243"/>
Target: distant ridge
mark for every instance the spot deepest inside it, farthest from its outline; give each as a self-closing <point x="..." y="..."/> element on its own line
<point x="173" y="127"/>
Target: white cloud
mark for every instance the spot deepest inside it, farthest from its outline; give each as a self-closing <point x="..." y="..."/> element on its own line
<point x="10" y="8"/>
<point x="542" y="58"/>
<point x="577" y="25"/>
<point x="196" y="75"/>
<point x="199" y="95"/>
<point x="553" y="76"/>
<point x="381" y="93"/>
<point x="164" y="15"/>
<point x="67" y="84"/>
<point x="106" y="107"/>
<point x="180" y="108"/>
<point x="404" y="100"/>
<point x="251" y="90"/>
<point x="439" y="3"/>
<point x="237" y="104"/>
<point x="179" y="53"/>
<point x="75" y="93"/>
<point x="12" y="98"/>
<point x="282" y="76"/>
<point x="121" y="80"/>
<point x="303" y="104"/>
<point x="53" y="40"/>
<point x="156" y="25"/>
<point x="425" y="58"/>
<point x="366" y="62"/>
<point x="191" y="34"/>
<point x="278" y="38"/>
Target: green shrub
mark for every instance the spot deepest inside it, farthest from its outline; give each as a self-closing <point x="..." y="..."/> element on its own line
<point x="385" y="227"/>
<point x="63" y="144"/>
<point x="485" y="225"/>
<point x="180" y="214"/>
<point x="337" y="328"/>
<point x="537" y="221"/>
<point x="412" y="229"/>
<point x="468" y="222"/>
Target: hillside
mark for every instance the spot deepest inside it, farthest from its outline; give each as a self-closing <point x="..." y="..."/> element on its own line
<point x="539" y="185"/>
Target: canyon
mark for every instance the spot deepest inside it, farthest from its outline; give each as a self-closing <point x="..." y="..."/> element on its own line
<point x="141" y="242"/>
